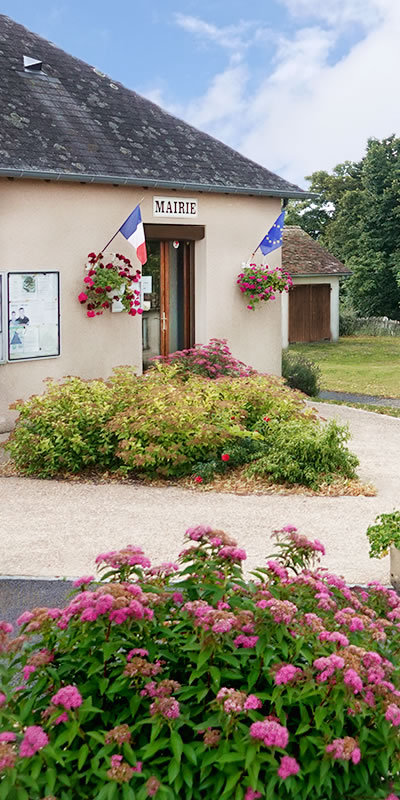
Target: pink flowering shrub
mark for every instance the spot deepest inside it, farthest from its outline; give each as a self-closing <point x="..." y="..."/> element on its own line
<point x="212" y="360"/>
<point x="258" y="283"/>
<point x="196" y="681"/>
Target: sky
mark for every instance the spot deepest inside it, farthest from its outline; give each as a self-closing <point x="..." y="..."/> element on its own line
<point x="296" y="85"/>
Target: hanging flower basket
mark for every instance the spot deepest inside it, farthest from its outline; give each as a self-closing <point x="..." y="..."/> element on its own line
<point x="262" y="283"/>
<point x="110" y="282"/>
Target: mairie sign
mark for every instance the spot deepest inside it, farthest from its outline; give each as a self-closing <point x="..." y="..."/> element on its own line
<point x="174" y="207"/>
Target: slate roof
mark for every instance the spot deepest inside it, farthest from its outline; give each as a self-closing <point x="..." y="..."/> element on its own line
<point x="302" y="255"/>
<point x="73" y="122"/>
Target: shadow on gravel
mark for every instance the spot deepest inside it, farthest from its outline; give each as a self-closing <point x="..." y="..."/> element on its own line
<point x="361" y="398"/>
<point x="18" y="595"/>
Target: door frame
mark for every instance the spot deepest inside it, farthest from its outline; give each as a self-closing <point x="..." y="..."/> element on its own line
<point x="188" y="292"/>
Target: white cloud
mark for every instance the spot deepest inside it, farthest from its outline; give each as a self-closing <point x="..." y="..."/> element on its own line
<point x="326" y="112"/>
<point x="231" y="37"/>
<point x="308" y="112"/>
<point x="338" y="13"/>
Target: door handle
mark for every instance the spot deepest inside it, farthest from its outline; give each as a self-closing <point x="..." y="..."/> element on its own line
<point x="163" y="321"/>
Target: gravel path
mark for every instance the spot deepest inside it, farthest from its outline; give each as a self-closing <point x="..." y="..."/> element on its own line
<point x="56" y="529"/>
<point x="369" y="399"/>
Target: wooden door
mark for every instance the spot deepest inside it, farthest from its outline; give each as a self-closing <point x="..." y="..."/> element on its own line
<point x="309" y="312"/>
<point x="168" y="321"/>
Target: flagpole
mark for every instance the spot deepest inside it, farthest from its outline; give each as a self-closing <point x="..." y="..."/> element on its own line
<point x="253" y="254"/>
<point x="117" y="232"/>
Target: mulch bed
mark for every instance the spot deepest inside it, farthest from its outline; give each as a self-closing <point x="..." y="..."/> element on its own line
<point x="233" y="482"/>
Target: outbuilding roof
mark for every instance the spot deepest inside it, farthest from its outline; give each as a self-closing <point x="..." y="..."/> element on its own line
<point x="69" y="121"/>
<point x="302" y="255"/>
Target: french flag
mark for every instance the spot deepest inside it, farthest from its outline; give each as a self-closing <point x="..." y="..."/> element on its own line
<point x="133" y="231"/>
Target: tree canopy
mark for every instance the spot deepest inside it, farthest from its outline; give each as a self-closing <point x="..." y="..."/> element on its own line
<point x="356" y="216"/>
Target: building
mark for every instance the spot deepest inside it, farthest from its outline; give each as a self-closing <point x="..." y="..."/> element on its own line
<point x="78" y="152"/>
<point x="310" y="311"/>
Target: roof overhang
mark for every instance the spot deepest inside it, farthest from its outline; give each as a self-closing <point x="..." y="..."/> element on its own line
<point x="150" y="183"/>
<point x="294" y="275"/>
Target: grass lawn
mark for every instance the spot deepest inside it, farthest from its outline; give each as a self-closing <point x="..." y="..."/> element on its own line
<point x="360" y="364"/>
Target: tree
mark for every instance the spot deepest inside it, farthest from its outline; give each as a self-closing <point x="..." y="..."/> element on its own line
<point x="357" y="218"/>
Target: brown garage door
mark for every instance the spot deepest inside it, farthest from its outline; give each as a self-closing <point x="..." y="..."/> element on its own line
<point x="310" y="313"/>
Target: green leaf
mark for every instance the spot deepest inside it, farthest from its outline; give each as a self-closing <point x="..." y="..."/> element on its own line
<point x="203" y="657"/>
<point x="127" y="792"/>
<point x="176" y="745"/>
<point x="230" y="785"/>
<point x="173" y="770"/>
<point x="227" y="758"/>
<point x="83" y="754"/>
<point x="251" y="753"/>
<point x="190" y="753"/>
<point x="96" y="735"/>
<point x="187" y="773"/>
<point x="216" y="676"/>
<point x="154" y="747"/>
<point x="51" y="778"/>
<point x="319" y="716"/>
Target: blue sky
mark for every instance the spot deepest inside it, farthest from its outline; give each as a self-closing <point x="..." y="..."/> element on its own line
<point x="287" y="82"/>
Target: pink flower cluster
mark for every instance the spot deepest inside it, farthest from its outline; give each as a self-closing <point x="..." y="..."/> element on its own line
<point x="245" y="641"/>
<point x="83" y="581"/>
<point x="137" y="651"/>
<point x="128" y="556"/>
<point x="333" y="636"/>
<point x="34" y="740"/>
<point x="235" y="702"/>
<point x="277" y="569"/>
<point x="232" y="553"/>
<point x="213" y="360"/>
<point x="7" y="736"/>
<point x="327" y="666"/>
<point x="198" y="533"/>
<point x="282" y="610"/>
<point x="272" y="733"/>
<point x="393" y="714"/>
<point x="288" y="766"/>
<point x="353" y="680"/>
<point x="344" y="749"/>
<point x="89" y="605"/>
<point x="167" y="707"/>
<point x="251" y="794"/>
<point x="287" y="673"/>
<point x="261" y="283"/>
<point x="67" y="696"/>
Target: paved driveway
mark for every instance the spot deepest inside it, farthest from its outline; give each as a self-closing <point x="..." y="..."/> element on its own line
<point x="56" y="529"/>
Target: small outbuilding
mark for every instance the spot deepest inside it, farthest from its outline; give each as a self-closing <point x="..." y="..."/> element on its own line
<point x="310" y="311"/>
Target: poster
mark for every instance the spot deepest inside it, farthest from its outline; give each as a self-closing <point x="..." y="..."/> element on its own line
<point x="33" y="315"/>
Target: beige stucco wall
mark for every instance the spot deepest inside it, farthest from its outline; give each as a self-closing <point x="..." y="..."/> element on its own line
<point x="52" y="226"/>
<point x="334" y="305"/>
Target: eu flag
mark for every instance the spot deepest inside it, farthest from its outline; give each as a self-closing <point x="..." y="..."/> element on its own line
<point x="273" y="239"/>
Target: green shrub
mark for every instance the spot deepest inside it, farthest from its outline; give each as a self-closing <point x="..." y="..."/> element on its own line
<point x="302" y="452"/>
<point x="171" y="424"/>
<point x="384" y="533"/>
<point x="348" y="321"/>
<point x="301" y="373"/>
<point x="64" y="429"/>
<point x="186" y="681"/>
<point x="168" y="425"/>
